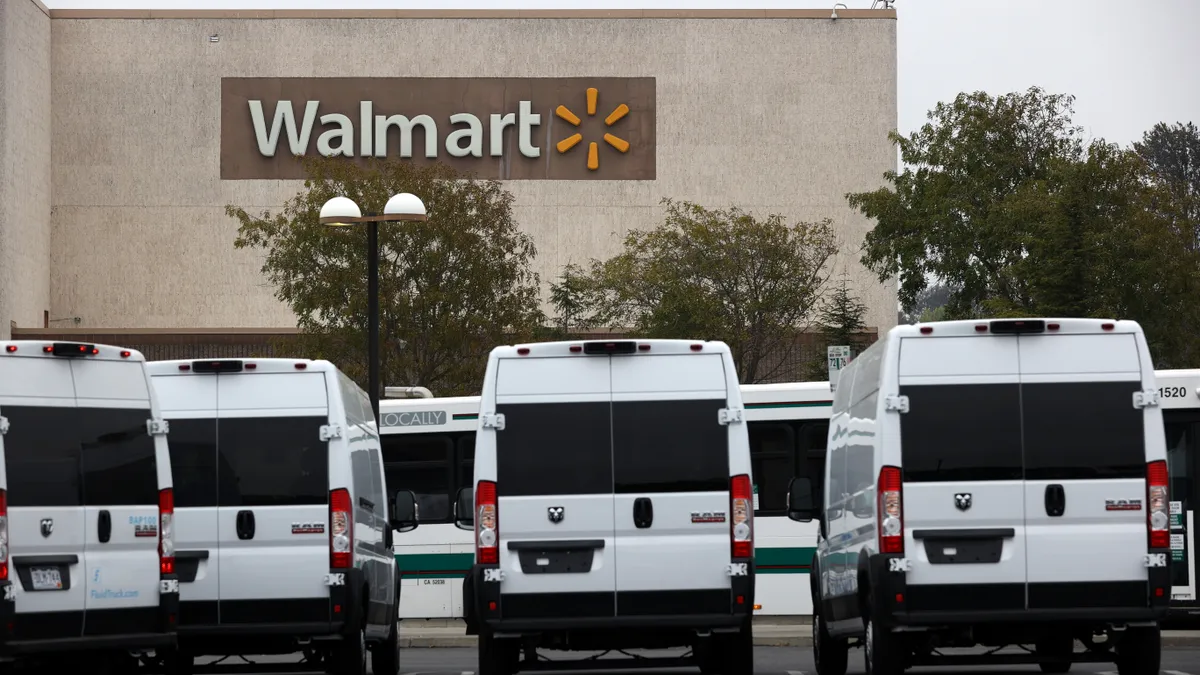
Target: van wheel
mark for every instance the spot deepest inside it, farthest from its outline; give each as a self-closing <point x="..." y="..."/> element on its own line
<point x="882" y="650"/>
<point x="497" y="657"/>
<point x="830" y="655"/>
<point x="1061" y="647"/>
<point x="1139" y="651"/>
<point x="385" y="656"/>
<point x="350" y="655"/>
<point x="736" y="651"/>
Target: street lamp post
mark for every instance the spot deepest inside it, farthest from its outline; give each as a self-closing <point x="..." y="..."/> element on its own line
<point x="343" y="212"/>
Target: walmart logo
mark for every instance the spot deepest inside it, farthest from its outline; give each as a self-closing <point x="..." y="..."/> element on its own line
<point x="593" y="157"/>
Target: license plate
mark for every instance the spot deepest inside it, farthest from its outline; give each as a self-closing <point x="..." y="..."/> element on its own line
<point x="46" y="578"/>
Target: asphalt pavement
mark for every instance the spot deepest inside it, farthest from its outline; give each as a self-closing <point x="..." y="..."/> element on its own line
<point x="767" y="661"/>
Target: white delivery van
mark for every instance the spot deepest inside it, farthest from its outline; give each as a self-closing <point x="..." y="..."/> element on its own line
<point x="86" y="553"/>
<point x="994" y="483"/>
<point x="612" y="505"/>
<point x="285" y="535"/>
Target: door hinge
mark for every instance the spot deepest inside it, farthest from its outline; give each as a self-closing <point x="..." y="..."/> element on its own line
<point x="729" y="415"/>
<point x="330" y="431"/>
<point x="897" y="403"/>
<point x="335" y="579"/>
<point x="3" y="425"/>
<point x="1156" y="560"/>
<point x="1145" y="399"/>
<point x="168" y="586"/>
<point x="493" y="421"/>
<point x="10" y="593"/>
<point x="157" y="427"/>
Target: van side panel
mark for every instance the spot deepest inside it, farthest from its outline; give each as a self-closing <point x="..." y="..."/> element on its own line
<point x="272" y="464"/>
<point x="670" y="449"/>
<point x="554" y="453"/>
<point x="1083" y="433"/>
<point x="189" y="403"/>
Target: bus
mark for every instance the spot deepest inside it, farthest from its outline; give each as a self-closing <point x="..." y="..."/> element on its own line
<point x="429" y="445"/>
<point x="429" y="448"/>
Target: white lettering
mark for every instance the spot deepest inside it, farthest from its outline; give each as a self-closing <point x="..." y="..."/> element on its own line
<point x="382" y="124"/>
<point x="344" y="135"/>
<point x="528" y="119"/>
<point x="365" y="115"/>
<point x="499" y="122"/>
<point x="284" y="116"/>
<point x="473" y="132"/>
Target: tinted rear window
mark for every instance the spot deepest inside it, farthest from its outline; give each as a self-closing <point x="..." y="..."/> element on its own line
<point x="193" y="445"/>
<point x="1080" y="430"/>
<point x="42" y="456"/>
<point x="669" y="446"/>
<point x="961" y="432"/>
<point x="272" y="461"/>
<point x="118" y="457"/>
<point x="554" y="449"/>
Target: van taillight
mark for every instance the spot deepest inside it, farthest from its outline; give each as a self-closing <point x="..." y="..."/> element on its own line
<point x="891" y="511"/>
<point x="487" y="524"/>
<point x="1158" y="519"/>
<point x="3" y="535"/>
<point x="741" y="521"/>
<point x="166" y="531"/>
<point x="341" y="530"/>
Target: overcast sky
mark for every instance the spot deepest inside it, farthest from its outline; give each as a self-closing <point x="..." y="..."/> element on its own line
<point x="1128" y="62"/>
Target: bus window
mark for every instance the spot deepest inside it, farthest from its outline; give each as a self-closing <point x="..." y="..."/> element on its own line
<point x="465" y="461"/>
<point x="421" y="463"/>
<point x="773" y="461"/>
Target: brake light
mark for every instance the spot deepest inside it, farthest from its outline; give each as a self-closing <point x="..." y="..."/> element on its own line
<point x="926" y="330"/>
<point x="166" y="531"/>
<point x="1157" y="518"/>
<point x="643" y="347"/>
<point x="891" y="511"/>
<point x="10" y="348"/>
<point x="341" y="530"/>
<point x="125" y="353"/>
<point x="575" y="349"/>
<point x="301" y="366"/>
<point x="3" y="535"/>
<point x="741" y="521"/>
<point x="697" y="347"/>
<point x="487" y="524"/>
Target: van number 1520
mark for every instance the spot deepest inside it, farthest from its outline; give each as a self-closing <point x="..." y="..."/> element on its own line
<point x="1172" y="392"/>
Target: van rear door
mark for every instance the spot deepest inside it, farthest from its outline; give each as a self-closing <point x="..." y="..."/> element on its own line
<point x="1085" y="470"/>
<point x="964" y="497"/>
<point x="672" y="483"/>
<point x="554" y="480"/>
<point x="273" y="497"/>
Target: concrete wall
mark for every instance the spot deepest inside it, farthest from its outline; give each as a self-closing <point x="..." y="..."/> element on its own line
<point x="783" y="115"/>
<point x="24" y="163"/>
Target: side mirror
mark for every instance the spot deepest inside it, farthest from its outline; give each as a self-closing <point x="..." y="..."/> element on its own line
<point x="862" y="507"/>
<point x="802" y="503"/>
<point x="464" y="509"/>
<point x="404" y="511"/>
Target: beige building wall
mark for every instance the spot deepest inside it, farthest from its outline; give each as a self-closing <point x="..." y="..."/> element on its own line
<point x="24" y="163"/>
<point x="773" y="115"/>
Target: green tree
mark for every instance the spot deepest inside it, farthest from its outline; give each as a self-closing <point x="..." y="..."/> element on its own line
<point x="450" y="288"/>
<point x="571" y="296"/>
<point x="722" y="274"/>
<point x="842" y="320"/>
<point x="1173" y="154"/>
<point x="1003" y="202"/>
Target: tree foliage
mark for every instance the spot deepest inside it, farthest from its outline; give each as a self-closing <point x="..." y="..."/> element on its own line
<point x="842" y="320"/>
<point x="1173" y="155"/>
<point x="451" y="288"/>
<point x="710" y="273"/>
<point x="1002" y="201"/>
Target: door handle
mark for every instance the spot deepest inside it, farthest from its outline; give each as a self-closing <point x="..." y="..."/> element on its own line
<point x="643" y="512"/>
<point x="245" y="524"/>
<point x="1056" y="501"/>
<point x="104" y="526"/>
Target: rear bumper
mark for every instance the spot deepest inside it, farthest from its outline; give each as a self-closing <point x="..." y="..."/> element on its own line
<point x="486" y="606"/>
<point x="13" y="644"/>
<point x="899" y="604"/>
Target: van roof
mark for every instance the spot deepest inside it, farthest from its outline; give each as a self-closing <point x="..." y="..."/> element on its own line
<point x="50" y="349"/>
<point x="992" y="326"/>
<point x="188" y="366"/>
<point x="563" y="347"/>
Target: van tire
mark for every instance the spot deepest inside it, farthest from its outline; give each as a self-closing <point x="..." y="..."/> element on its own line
<point x="1062" y="646"/>
<point x="883" y="651"/>
<point x="385" y="656"/>
<point x="830" y="655"/>
<point x="1140" y="651"/>
<point x="497" y="657"/>
<point x="736" y="651"/>
<point x="350" y="655"/>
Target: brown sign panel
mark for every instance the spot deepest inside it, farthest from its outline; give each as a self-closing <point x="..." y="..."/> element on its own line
<point x="563" y="128"/>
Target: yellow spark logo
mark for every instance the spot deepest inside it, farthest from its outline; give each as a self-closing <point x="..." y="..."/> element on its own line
<point x="593" y="158"/>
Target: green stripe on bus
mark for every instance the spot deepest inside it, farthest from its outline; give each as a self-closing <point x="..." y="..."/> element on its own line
<point x="465" y="416"/>
<point x="455" y="565"/>
<point x="797" y="404"/>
